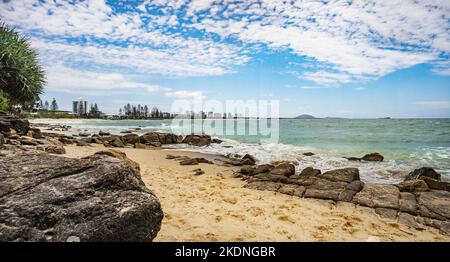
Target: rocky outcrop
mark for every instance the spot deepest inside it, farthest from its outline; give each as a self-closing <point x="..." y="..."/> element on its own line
<point x="373" y="157"/>
<point x="10" y="125"/>
<point x="423" y="172"/>
<point x="197" y="140"/>
<point x="284" y="169"/>
<point x="158" y="139"/>
<point x="98" y="198"/>
<point x="411" y="202"/>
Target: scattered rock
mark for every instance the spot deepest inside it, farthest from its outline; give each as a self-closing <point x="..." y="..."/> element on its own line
<point x="353" y="158"/>
<point x="308" y="154"/>
<point x="35" y="133"/>
<point x="247" y="161"/>
<point x="84" y="134"/>
<point x="423" y="172"/>
<point x="102" y="133"/>
<point x="249" y="157"/>
<point x="191" y="161"/>
<point x="216" y="141"/>
<point x="198" y="172"/>
<point x="50" y="198"/>
<point x="373" y="157"/>
<point x="126" y="132"/>
<point x="131" y="138"/>
<point x="197" y="140"/>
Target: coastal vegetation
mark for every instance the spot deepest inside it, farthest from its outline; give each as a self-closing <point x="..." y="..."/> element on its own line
<point x="22" y="78"/>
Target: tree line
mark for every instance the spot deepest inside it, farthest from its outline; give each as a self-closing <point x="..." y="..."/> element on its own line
<point x="142" y="112"/>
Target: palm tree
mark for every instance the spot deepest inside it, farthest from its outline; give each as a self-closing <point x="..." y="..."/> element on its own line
<point x="21" y="77"/>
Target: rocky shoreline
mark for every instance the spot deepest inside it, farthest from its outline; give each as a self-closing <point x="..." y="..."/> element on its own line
<point x="421" y="200"/>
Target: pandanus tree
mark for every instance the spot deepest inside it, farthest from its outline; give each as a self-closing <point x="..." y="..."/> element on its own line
<point x="22" y="79"/>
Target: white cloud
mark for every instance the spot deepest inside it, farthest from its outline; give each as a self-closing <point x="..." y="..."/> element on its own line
<point x="445" y="104"/>
<point x="185" y="94"/>
<point x="153" y="89"/>
<point x="341" y="41"/>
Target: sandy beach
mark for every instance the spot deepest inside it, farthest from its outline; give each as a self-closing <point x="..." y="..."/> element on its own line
<point x="215" y="207"/>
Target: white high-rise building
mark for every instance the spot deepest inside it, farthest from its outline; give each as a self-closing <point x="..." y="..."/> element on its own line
<point x="79" y="107"/>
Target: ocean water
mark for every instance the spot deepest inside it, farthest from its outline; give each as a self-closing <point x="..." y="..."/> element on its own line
<point x="406" y="144"/>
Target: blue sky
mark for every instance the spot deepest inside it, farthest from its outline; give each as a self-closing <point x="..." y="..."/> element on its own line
<point x="326" y="58"/>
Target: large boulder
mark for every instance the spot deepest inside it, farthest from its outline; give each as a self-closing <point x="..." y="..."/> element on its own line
<point x="20" y="126"/>
<point x="373" y="157"/>
<point x="378" y="196"/>
<point x="131" y="138"/>
<point x="434" y="204"/>
<point x="197" y="140"/>
<point x="284" y="169"/>
<point x="156" y="138"/>
<point x="423" y="172"/>
<point x="341" y="175"/>
<point x="50" y="198"/>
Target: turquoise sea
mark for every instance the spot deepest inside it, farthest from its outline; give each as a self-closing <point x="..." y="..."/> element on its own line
<point x="406" y="144"/>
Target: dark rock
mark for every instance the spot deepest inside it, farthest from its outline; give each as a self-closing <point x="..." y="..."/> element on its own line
<point x="84" y="134"/>
<point x="116" y="142"/>
<point x="216" y="141"/>
<point x="436" y="184"/>
<point x="372" y="157"/>
<point x="423" y="172"/>
<point x="131" y="138"/>
<point x="155" y="138"/>
<point x="310" y="171"/>
<point x="308" y="154"/>
<point x="102" y="133"/>
<point x="247" y="170"/>
<point x="126" y="132"/>
<point x="378" y="195"/>
<point x="434" y="204"/>
<point x="35" y="133"/>
<point x="265" y="168"/>
<point x="20" y="125"/>
<point x="249" y="157"/>
<point x="188" y="162"/>
<point x="172" y="156"/>
<point x="341" y="175"/>
<point x="284" y="169"/>
<point x="247" y="161"/>
<point x="198" y="172"/>
<point x="80" y="142"/>
<point x="99" y="198"/>
<point x="2" y="140"/>
<point x="28" y="141"/>
<point x="269" y="177"/>
<point x="353" y="158"/>
<point x="197" y="140"/>
<point x="415" y="185"/>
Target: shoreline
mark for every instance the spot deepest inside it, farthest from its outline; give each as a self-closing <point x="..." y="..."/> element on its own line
<point x="216" y="207"/>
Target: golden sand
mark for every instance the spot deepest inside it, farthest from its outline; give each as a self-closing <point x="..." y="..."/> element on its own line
<point x="215" y="207"/>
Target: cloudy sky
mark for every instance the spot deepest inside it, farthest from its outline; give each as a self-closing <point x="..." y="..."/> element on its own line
<point x="326" y="58"/>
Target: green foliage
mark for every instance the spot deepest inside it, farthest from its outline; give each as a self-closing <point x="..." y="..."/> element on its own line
<point x="21" y="77"/>
<point x="4" y="103"/>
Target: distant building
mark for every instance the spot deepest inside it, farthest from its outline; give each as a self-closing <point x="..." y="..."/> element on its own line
<point x="79" y="107"/>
